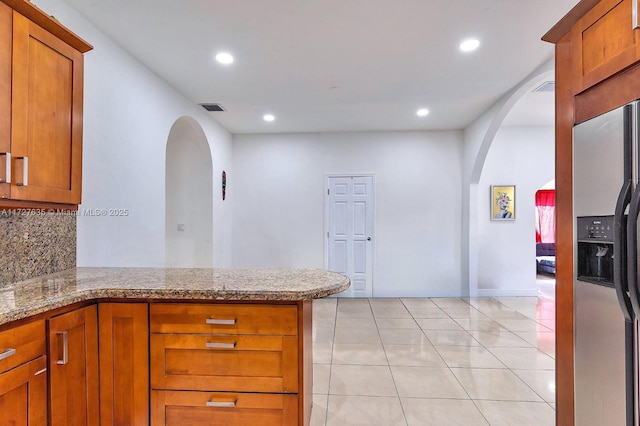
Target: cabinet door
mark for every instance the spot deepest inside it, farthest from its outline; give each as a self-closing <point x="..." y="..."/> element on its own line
<point x="23" y="394"/>
<point x="46" y="125"/>
<point x="605" y="41"/>
<point x="124" y="363"/>
<point x="6" y="36"/>
<point x="73" y="368"/>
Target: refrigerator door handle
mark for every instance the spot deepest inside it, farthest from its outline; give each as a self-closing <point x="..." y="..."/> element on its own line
<point x="622" y="254"/>
<point x="632" y="251"/>
<point x="619" y="252"/>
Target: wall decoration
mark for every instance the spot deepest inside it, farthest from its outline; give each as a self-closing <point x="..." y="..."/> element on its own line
<point x="224" y="184"/>
<point x="503" y="202"/>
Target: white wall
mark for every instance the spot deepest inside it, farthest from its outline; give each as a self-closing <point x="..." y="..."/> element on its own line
<point x="128" y="114"/>
<point x="522" y="156"/>
<point x="188" y="197"/>
<point x="478" y="138"/>
<point x="279" y="203"/>
<point x="426" y="189"/>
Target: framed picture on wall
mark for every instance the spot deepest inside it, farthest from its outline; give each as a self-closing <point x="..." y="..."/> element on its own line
<point x="503" y="202"/>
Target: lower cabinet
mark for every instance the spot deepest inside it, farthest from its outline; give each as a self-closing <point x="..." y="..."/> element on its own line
<point x="159" y="364"/>
<point x="177" y="408"/>
<point x="23" y="375"/>
<point x="124" y="363"/>
<point x="225" y="364"/>
<point x="73" y="368"/>
<point x="23" y="394"/>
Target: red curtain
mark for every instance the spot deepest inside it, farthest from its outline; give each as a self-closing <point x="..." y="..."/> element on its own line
<point x="546" y="216"/>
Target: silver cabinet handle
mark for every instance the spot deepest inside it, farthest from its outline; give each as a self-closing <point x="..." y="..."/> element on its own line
<point x="215" y="345"/>
<point x="25" y="171"/>
<point x="7" y="353"/>
<point x="211" y="403"/>
<point x="39" y="372"/>
<point x="65" y="348"/>
<point x="7" y="167"/>
<point x="220" y="321"/>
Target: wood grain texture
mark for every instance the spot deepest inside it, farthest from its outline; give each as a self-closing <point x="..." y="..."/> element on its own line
<point x="6" y="35"/>
<point x="559" y="30"/>
<point x="23" y="394"/>
<point x="124" y="363"/>
<point x="564" y="234"/>
<point x="248" y="318"/>
<point x="44" y="20"/>
<point x="177" y="408"/>
<point x="28" y="341"/>
<point x="46" y="115"/>
<point x="73" y="387"/>
<point x="263" y="355"/>
<point x="305" y="361"/>
<point x="604" y="42"/>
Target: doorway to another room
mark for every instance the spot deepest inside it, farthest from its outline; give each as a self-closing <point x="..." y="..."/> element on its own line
<point x="349" y="207"/>
<point x="545" y="205"/>
<point x="188" y="197"/>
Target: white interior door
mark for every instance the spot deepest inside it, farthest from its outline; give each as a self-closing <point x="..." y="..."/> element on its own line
<point x="349" y="229"/>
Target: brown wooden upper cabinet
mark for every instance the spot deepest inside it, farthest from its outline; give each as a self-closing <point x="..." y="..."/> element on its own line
<point x="41" y="84"/>
<point x="606" y="41"/>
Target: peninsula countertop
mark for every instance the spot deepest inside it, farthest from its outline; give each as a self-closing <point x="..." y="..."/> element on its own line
<point x="30" y="297"/>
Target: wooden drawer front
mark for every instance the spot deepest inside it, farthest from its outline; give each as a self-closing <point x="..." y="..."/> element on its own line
<point x="224" y="409"/>
<point x="604" y="42"/>
<point x="224" y="363"/>
<point x="21" y="344"/>
<point x="224" y="319"/>
<point x="23" y="394"/>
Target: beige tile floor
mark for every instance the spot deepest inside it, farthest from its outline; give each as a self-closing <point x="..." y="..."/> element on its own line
<point x="433" y="361"/>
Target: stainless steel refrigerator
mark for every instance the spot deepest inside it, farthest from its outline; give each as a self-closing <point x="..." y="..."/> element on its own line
<point x="606" y="305"/>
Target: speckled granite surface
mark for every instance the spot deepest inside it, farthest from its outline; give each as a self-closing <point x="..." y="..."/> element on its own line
<point x="34" y="243"/>
<point x="38" y="295"/>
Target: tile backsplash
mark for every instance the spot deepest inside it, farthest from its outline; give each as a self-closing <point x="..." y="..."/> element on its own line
<point x="35" y="243"/>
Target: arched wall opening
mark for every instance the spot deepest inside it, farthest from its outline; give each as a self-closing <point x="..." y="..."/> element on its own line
<point x="188" y="197"/>
<point x="492" y="245"/>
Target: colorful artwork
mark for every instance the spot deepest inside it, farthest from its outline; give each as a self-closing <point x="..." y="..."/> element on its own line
<point x="503" y="199"/>
<point x="224" y="185"/>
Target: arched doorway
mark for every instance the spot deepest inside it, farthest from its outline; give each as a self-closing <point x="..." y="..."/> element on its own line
<point x="479" y="138"/>
<point x="188" y="197"/>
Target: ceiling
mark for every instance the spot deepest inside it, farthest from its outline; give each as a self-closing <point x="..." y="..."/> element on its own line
<point x="340" y="65"/>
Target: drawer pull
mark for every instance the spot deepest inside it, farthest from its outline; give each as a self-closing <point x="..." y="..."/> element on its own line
<point x="7" y="168"/>
<point x="65" y="348"/>
<point x="214" y="345"/>
<point x="221" y="321"/>
<point x="221" y="403"/>
<point x="37" y="373"/>
<point x="7" y="353"/>
<point x="25" y="171"/>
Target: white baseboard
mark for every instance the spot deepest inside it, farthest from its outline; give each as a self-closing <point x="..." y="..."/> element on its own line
<point x="516" y="292"/>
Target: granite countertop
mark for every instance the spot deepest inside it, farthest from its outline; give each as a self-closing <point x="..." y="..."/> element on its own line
<point x="26" y="298"/>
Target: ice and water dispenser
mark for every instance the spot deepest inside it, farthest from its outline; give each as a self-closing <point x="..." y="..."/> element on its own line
<point x="595" y="249"/>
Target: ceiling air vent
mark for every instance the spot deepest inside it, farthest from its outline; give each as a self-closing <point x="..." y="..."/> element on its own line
<point x="547" y="86"/>
<point x="213" y="107"/>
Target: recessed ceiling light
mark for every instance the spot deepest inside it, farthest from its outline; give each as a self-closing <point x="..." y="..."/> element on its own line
<point x="422" y="112"/>
<point x="469" y="45"/>
<point x="224" y="58"/>
<point x="268" y="117"/>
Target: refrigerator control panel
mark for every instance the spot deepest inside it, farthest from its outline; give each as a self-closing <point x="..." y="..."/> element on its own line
<point x="595" y="228"/>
